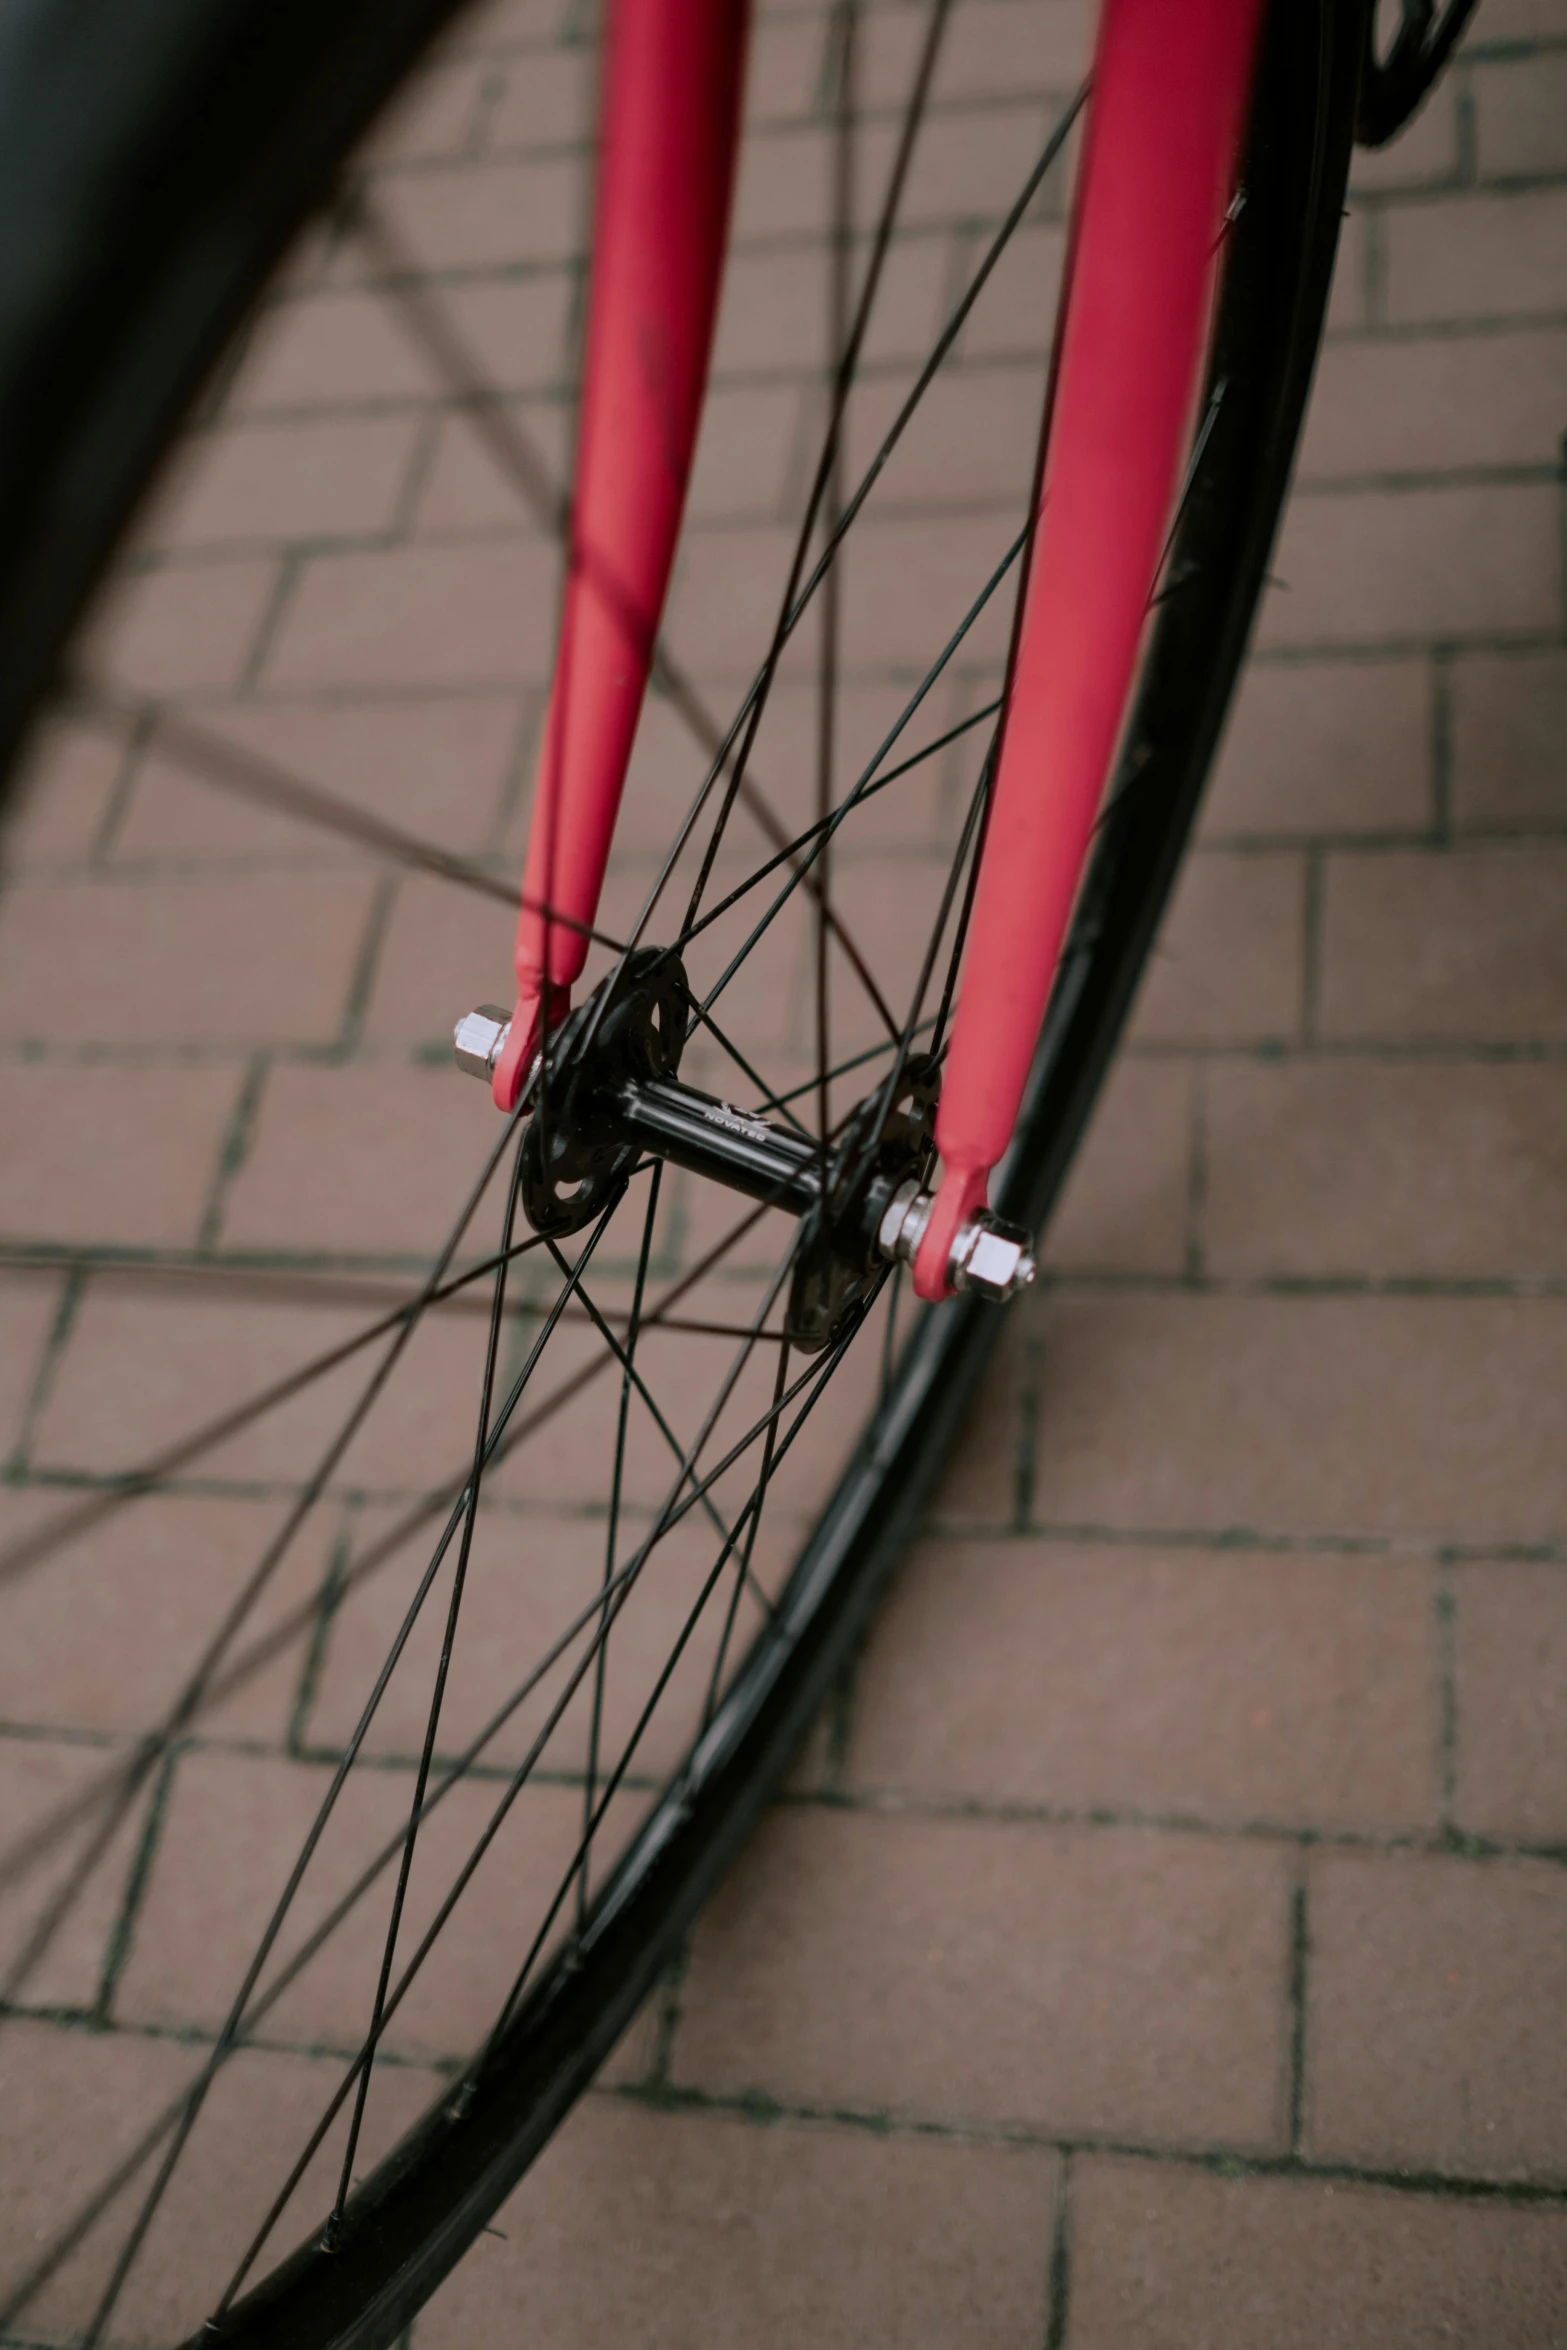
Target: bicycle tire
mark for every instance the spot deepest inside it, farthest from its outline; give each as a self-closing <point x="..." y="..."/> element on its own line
<point x="104" y="342"/>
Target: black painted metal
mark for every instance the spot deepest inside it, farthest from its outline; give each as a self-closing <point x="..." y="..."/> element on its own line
<point x="712" y="1138"/>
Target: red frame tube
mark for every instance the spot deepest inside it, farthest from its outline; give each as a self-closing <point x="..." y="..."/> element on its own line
<point x="669" y="119"/>
<point x="1170" y="86"/>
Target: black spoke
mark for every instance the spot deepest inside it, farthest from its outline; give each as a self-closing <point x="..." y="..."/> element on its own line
<point x="514" y="450"/>
<point x="849" y="348"/>
<point x="136" y="1775"/>
<point x="849" y="804"/>
<point x="437" y="1695"/>
<point x="228" y="766"/>
<point x="846" y="29"/>
<point x="612" y="1532"/>
<point x="275" y="1923"/>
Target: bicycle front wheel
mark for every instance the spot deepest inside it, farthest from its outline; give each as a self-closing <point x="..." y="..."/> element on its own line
<point x="409" y="1611"/>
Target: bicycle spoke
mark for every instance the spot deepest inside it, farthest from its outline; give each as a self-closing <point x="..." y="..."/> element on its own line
<point x="847" y="806"/>
<point x="846" y="27"/>
<point x="612" y="1532"/>
<point x="743" y="1568"/>
<point x="512" y="447"/>
<point x="848" y="349"/>
<point x="622" y="1356"/>
<point x="623" y="1583"/>
<point x="245" y="774"/>
<point x="433" y="1717"/>
<point x="59" y="1907"/>
<point x="803" y="840"/>
<point x="280" y="1912"/>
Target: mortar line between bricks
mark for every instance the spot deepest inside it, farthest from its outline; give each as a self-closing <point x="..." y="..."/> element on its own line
<point x="121" y="792"/>
<point x="122" y="1934"/>
<point x="1289" y="1836"/>
<point x="1311" y="944"/>
<point x="1445" y="1610"/>
<point x="765" y="2112"/>
<point x="318" y="1641"/>
<point x="1442" y="746"/>
<point x="284" y="588"/>
<point x="54" y="1346"/>
<point x="1500" y="1548"/>
<point x="1466" y="126"/>
<point x="1058" y="2274"/>
<point x="1194" y="1265"/>
<point x="233" y="1150"/>
<point x="361" y="983"/>
<point x="1435" y="1843"/>
<point x="1395" y="1052"/>
<point x="1299" y="1961"/>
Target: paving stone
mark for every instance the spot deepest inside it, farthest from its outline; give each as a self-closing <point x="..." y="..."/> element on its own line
<point x="1434" y="403"/>
<point x="950" y="1967"/>
<point x="1126" y="1202"/>
<point x="1227" y="964"/>
<point x="199" y="1923"/>
<point x="159" y="1585"/>
<point x="63" y="1900"/>
<point x="233" y="959"/>
<point x="765" y="2237"/>
<point x="1455" y="947"/>
<point x="1376" y="1415"/>
<point x="1520" y="104"/>
<point x="184" y="629"/>
<point x="547" y="101"/>
<point x="1432" y="1992"/>
<point x="143" y="1370"/>
<point x="466" y="489"/>
<point x="1379" y="567"/>
<point x="1325" y="747"/>
<point x="1164" y="2254"/>
<point x="1480" y="256"/>
<point x="1213" y="1686"/>
<point x="443" y="951"/>
<point x="1334" y="1168"/>
<point x="485" y="216"/>
<point x="476" y="615"/>
<point x="29" y="1307"/>
<point x="435" y="768"/>
<point x="373" y="1161"/>
<point x="1510" y="1646"/>
<point x="1509" y="723"/>
<point x="62" y="795"/>
<point x="57" y="1184"/>
<point x="278" y="483"/>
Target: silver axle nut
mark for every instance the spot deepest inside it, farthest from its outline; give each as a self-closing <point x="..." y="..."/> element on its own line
<point x="993" y="1259"/>
<point x="479" y="1039"/>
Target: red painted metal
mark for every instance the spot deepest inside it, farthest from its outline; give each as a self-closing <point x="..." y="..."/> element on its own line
<point x="1168" y="105"/>
<point x="668" y="125"/>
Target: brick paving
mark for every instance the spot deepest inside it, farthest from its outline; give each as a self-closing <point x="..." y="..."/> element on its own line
<point x="1160" y="1940"/>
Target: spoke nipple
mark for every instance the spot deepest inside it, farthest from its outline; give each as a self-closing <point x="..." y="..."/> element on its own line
<point x="479" y="1039"/>
<point x="994" y="1259"/>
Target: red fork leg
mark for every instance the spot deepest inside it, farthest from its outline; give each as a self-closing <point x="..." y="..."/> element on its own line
<point x="668" y="124"/>
<point x="1168" y="106"/>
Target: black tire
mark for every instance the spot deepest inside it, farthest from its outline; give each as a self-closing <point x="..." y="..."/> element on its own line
<point x="113" y="307"/>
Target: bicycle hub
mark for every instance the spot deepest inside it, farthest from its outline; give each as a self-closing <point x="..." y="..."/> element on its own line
<point x="607" y="1095"/>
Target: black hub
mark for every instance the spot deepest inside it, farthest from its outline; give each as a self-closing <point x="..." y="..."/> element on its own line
<point x="610" y="1096"/>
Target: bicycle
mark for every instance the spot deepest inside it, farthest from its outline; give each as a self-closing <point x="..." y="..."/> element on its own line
<point x="106" y="337"/>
